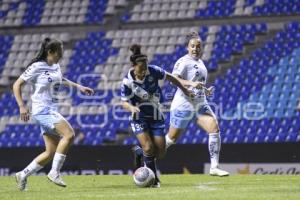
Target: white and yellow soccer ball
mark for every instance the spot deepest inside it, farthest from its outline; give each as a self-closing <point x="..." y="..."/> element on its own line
<point x="144" y="177"/>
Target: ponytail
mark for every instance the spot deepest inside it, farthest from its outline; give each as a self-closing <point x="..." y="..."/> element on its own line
<point x="137" y="56"/>
<point x="48" y="44"/>
<point x="42" y="54"/>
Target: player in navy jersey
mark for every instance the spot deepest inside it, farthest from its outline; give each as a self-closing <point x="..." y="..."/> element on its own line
<point x="44" y="74"/>
<point x="184" y="109"/>
<point x="141" y="95"/>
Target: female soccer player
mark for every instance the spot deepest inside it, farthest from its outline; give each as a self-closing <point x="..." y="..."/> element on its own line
<point x="141" y="95"/>
<point x="45" y="75"/>
<point x="184" y="109"/>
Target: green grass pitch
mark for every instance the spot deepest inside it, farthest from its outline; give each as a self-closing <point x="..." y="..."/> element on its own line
<point x="173" y="187"/>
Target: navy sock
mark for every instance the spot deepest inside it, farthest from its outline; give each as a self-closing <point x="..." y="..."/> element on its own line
<point x="138" y="157"/>
<point x="150" y="163"/>
<point x="138" y="150"/>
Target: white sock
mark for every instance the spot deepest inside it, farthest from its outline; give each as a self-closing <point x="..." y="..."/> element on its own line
<point x="30" y="169"/>
<point x="58" y="162"/>
<point x="169" y="141"/>
<point x="214" y="146"/>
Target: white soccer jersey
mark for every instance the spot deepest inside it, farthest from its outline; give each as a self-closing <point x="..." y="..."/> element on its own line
<point x="46" y="81"/>
<point x="192" y="69"/>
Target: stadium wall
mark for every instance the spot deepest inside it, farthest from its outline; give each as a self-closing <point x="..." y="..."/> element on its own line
<point x="237" y="158"/>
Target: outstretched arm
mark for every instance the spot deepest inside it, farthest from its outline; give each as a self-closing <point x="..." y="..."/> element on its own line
<point x="24" y="112"/>
<point x="133" y="109"/>
<point x="195" y="84"/>
<point x="181" y="83"/>
<point x="209" y="91"/>
<point x="85" y="90"/>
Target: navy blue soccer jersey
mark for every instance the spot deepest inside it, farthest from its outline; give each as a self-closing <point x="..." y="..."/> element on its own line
<point x="145" y="94"/>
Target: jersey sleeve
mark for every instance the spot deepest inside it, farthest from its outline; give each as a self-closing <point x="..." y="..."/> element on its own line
<point x="126" y="91"/>
<point x="179" y="68"/>
<point x="159" y="73"/>
<point x="30" y="73"/>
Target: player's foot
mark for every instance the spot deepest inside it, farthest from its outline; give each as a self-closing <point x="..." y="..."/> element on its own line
<point x="217" y="172"/>
<point x="56" y="178"/>
<point x="138" y="158"/>
<point x="21" y="182"/>
<point x="156" y="183"/>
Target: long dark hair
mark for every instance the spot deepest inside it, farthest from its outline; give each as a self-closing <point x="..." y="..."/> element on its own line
<point x="48" y="44"/>
<point x="137" y="56"/>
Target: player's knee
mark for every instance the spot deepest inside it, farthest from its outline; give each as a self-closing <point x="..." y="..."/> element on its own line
<point x="173" y="137"/>
<point x="215" y="129"/>
<point x="69" y="135"/>
<point x="49" y="154"/>
<point x="148" y="148"/>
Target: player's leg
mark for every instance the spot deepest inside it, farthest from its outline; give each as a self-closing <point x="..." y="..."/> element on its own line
<point x="178" y="122"/>
<point x="64" y="129"/>
<point x="39" y="162"/>
<point x="208" y="121"/>
<point x="172" y="136"/>
<point x="148" y="150"/>
<point x="51" y="143"/>
<point x="138" y="156"/>
<point x="157" y="133"/>
<point x="160" y="151"/>
<point x="138" y="127"/>
<point x="160" y="146"/>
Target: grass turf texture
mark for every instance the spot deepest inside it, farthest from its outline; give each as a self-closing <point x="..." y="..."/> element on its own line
<point x="173" y="187"/>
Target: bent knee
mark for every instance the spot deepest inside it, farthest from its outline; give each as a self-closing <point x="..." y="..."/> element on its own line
<point x="69" y="135"/>
<point x="148" y="148"/>
<point x="215" y="129"/>
<point x="49" y="153"/>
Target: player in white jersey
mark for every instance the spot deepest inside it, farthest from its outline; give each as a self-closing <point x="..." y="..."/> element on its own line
<point x="184" y="109"/>
<point x="45" y="75"/>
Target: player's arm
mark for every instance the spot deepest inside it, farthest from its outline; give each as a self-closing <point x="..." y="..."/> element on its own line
<point x="128" y="106"/>
<point x="83" y="89"/>
<point x="179" y="83"/>
<point x="24" y="112"/>
<point x="209" y="91"/>
<point x="187" y="83"/>
<point x="180" y="68"/>
<point x="126" y="95"/>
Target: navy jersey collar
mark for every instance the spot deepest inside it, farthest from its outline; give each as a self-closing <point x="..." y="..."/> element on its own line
<point x="130" y="77"/>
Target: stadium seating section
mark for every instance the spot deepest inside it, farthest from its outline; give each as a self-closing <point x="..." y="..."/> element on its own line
<point x="256" y="100"/>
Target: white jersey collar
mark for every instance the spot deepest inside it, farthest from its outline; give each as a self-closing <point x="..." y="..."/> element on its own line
<point x="192" y="58"/>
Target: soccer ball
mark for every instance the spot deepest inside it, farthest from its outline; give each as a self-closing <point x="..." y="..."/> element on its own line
<point x="144" y="177"/>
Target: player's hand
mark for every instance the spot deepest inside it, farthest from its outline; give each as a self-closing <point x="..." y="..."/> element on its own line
<point x="86" y="90"/>
<point x="134" y="110"/>
<point x="209" y="91"/>
<point x="24" y="113"/>
<point x="198" y="85"/>
<point x="188" y="92"/>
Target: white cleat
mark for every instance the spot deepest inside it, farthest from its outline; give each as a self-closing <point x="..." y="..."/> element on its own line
<point x="218" y="172"/>
<point x="56" y="178"/>
<point x="21" y="182"/>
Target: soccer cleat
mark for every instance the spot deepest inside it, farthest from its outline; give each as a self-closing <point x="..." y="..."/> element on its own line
<point x="218" y="172"/>
<point x="138" y="159"/>
<point x="156" y="183"/>
<point x="21" y="182"/>
<point x="56" y="178"/>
